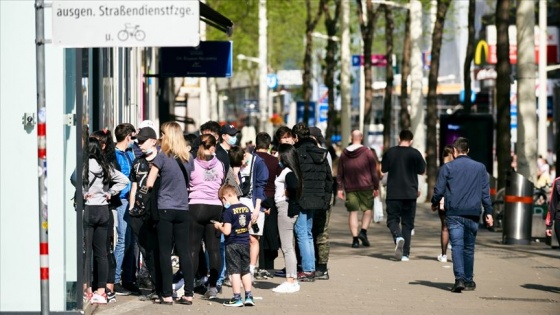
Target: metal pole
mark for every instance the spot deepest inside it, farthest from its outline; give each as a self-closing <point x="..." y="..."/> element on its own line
<point x="263" y="69"/>
<point x="345" y="74"/>
<point x="542" y="112"/>
<point x="42" y="153"/>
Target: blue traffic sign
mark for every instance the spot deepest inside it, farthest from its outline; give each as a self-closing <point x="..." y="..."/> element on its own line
<point x="272" y="81"/>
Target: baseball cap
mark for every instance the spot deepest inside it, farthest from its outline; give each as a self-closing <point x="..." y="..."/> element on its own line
<point x="147" y="123"/>
<point x="229" y="129"/>
<point x="317" y="133"/>
<point x="146" y="133"/>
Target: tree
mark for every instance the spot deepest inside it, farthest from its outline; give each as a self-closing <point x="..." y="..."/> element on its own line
<point x="431" y="133"/>
<point x="387" y="113"/>
<point x="469" y="57"/>
<point x="310" y="24"/>
<point x="367" y="21"/>
<point x="405" y="72"/>
<point x="331" y="25"/>
<point x="503" y="86"/>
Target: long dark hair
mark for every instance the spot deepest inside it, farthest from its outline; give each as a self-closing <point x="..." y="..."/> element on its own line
<point x="94" y="152"/>
<point x="106" y="138"/>
<point x="289" y="157"/>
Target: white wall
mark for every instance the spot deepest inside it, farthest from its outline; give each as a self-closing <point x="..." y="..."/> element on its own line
<point x="19" y="213"/>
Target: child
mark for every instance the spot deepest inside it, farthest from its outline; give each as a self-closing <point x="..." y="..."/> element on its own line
<point x="237" y="218"/>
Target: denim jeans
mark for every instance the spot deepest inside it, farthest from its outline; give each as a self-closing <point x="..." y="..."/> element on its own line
<point x="462" y="234"/>
<point x="125" y="246"/>
<point x="303" y="229"/>
<point x="222" y="271"/>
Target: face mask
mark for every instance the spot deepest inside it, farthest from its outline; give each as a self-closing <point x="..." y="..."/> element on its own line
<point x="149" y="151"/>
<point x="232" y="140"/>
<point x="281" y="164"/>
<point x="131" y="145"/>
<point x="227" y="204"/>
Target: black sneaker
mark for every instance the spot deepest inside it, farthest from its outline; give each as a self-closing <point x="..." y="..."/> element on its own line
<point x="470" y="286"/>
<point x="306" y="276"/>
<point x="111" y="296"/>
<point x="280" y="273"/>
<point x="120" y="290"/>
<point x="458" y="286"/>
<point x="355" y="244"/>
<point x="132" y="287"/>
<point x="363" y="237"/>
<point x="322" y="275"/>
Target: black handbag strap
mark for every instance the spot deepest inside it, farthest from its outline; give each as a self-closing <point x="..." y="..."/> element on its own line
<point x="251" y="176"/>
<point x="184" y="171"/>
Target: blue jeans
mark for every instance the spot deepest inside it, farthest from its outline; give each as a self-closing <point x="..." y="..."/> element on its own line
<point x="303" y="229"/>
<point x="125" y="246"/>
<point x="462" y="234"/>
<point x="222" y="271"/>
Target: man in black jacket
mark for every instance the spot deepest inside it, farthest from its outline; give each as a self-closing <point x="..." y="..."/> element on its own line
<point x="316" y="195"/>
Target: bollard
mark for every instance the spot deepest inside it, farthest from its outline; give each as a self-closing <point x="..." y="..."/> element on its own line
<point x="518" y="212"/>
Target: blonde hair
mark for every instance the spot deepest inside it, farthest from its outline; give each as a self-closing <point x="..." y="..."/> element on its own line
<point x="173" y="143"/>
<point x="226" y="190"/>
<point x="206" y="142"/>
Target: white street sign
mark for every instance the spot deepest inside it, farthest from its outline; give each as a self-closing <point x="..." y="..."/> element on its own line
<point x="121" y="23"/>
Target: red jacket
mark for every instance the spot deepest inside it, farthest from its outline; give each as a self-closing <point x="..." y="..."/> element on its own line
<point x="357" y="170"/>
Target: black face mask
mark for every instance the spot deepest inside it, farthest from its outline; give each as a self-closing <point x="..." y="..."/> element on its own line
<point x="208" y="157"/>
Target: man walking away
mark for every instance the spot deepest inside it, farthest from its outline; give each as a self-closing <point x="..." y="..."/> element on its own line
<point x="465" y="185"/>
<point x="358" y="184"/>
<point x="403" y="164"/>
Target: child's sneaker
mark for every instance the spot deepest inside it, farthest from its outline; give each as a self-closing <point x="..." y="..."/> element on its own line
<point x="98" y="299"/>
<point x="249" y="301"/>
<point x="234" y="303"/>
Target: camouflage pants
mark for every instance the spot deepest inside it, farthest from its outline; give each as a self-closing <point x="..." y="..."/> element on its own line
<point x="321" y="235"/>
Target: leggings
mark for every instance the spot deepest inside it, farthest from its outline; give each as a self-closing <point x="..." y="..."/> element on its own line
<point x="96" y="222"/>
<point x="202" y="229"/>
<point x="174" y="228"/>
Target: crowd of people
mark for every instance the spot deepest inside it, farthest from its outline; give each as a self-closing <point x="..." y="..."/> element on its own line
<point x="225" y="211"/>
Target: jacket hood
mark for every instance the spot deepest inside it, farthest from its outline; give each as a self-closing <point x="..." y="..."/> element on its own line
<point x="207" y="164"/>
<point x="355" y="150"/>
<point x="318" y="155"/>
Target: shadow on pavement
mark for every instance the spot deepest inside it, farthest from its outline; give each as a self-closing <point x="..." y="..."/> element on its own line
<point x="438" y="285"/>
<point x="541" y="287"/>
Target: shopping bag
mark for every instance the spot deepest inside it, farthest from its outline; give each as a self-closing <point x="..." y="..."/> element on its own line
<point x="377" y="210"/>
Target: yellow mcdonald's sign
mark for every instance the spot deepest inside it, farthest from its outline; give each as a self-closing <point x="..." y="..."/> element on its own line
<point x="477" y="53"/>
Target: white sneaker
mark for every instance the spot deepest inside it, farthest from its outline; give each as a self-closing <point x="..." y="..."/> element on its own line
<point x="98" y="299"/>
<point x="287" y="287"/>
<point x="442" y="258"/>
<point x="405" y="258"/>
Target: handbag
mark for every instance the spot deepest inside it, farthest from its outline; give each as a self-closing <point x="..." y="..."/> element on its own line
<point x="246" y="185"/>
<point x="377" y="210"/>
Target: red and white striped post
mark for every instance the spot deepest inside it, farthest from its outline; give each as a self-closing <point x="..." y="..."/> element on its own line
<point x="42" y="153"/>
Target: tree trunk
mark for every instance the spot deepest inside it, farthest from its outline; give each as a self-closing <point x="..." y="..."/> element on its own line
<point x="387" y="114"/>
<point x="405" y="72"/>
<point x="310" y="24"/>
<point x="331" y="25"/>
<point x="469" y="58"/>
<point x="431" y="133"/>
<point x="367" y="23"/>
<point x="503" y="86"/>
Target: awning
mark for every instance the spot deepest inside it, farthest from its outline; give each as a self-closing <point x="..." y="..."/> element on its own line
<point x="215" y="19"/>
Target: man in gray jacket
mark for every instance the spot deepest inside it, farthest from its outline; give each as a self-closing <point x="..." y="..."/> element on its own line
<point x="465" y="185"/>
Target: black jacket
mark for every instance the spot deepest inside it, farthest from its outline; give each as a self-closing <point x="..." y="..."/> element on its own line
<point x="317" y="176"/>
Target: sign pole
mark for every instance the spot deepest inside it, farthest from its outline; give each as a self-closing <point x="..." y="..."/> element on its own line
<point x="42" y="153"/>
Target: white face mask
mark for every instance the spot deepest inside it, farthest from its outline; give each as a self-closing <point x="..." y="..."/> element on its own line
<point x="232" y="140"/>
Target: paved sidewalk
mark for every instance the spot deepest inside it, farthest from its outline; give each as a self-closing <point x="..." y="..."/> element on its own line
<point x="511" y="279"/>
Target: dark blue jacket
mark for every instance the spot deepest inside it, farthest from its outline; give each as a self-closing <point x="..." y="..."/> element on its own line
<point x="465" y="185"/>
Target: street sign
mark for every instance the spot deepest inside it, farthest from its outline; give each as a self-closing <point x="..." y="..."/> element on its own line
<point x="121" y="23"/>
<point x="272" y="81"/>
<point x="210" y="59"/>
